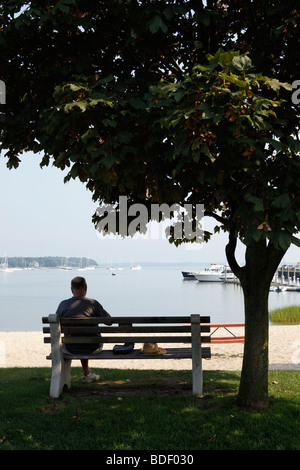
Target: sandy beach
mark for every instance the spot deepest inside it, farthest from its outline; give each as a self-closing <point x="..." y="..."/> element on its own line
<point x="27" y="349"/>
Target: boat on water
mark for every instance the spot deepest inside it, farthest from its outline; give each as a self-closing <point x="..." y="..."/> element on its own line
<point x="278" y="288"/>
<point x="227" y="275"/>
<point x="88" y="266"/>
<point x="189" y="275"/>
<point x="211" y="274"/>
<point x="136" y="267"/>
<point x="4" y="266"/>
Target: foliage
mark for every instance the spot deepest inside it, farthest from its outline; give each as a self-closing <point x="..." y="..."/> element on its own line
<point x="231" y="149"/>
<point x="91" y="108"/>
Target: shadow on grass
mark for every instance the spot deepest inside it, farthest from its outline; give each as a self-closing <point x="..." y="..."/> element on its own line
<point x="155" y="383"/>
<point x="144" y="410"/>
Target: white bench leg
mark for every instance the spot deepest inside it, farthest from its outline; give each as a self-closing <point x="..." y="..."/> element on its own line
<point x="196" y="355"/>
<point x="60" y="375"/>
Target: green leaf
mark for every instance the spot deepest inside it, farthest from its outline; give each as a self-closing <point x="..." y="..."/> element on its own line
<point x="281" y="239"/>
<point x="156" y="24"/>
<point x="97" y="101"/>
<point x="79" y="104"/>
<point x="137" y="103"/>
<point x="178" y="95"/>
<point x="108" y="161"/>
<point x="296" y="241"/>
<point x="109" y="122"/>
<point x="209" y="112"/>
<point x="222" y="57"/>
<point x="13" y="162"/>
<point x="242" y="63"/>
<point x="276" y="84"/>
<point x="232" y="78"/>
<point x="281" y="202"/>
<point x="258" y="203"/>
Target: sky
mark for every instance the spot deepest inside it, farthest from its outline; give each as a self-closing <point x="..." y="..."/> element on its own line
<point x="42" y="216"/>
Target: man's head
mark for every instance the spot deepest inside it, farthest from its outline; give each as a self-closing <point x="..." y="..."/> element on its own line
<point x="78" y="286"/>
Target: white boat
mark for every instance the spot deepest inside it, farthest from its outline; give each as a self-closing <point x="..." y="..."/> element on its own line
<point x="189" y="275"/>
<point x="136" y="267"/>
<point x="4" y="266"/>
<point x="88" y="267"/>
<point x="278" y="288"/>
<point x="211" y="274"/>
<point x="227" y="275"/>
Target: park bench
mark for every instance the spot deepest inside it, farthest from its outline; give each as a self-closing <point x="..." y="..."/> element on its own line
<point x="172" y="330"/>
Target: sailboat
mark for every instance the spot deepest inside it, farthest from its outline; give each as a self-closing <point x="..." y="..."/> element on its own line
<point x="136" y="267"/>
<point x="86" y="268"/>
<point x="4" y="266"/>
<point x="65" y="266"/>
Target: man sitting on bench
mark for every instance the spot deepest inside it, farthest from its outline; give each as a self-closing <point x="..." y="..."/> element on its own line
<point x="80" y="306"/>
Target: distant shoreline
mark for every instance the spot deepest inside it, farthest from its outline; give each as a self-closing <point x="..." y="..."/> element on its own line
<point x="23" y="262"/>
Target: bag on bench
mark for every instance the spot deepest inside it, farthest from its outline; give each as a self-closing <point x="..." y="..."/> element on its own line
<point x="124" y="349"/>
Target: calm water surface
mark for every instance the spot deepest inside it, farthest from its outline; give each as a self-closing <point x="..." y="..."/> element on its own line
<point x="27" y="296"/>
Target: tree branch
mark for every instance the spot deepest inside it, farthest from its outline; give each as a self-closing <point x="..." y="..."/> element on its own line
<point x="230" y="253"/>
<point x="220" y="219"/>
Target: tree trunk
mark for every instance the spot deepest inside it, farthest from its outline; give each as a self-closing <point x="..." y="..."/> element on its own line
<point x="256" y="276"/>
<point x="253" y="389"/>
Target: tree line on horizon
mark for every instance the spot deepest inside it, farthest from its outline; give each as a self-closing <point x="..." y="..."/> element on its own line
<point x="49" y="262"/>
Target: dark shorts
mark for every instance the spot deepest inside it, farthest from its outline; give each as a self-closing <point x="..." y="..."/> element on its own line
<point x="82" y="348"/>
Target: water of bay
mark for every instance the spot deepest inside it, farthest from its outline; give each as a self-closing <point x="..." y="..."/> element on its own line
<point x="156" y="289"/>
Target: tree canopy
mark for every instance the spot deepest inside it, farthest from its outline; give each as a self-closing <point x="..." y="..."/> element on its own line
<point x="168" y="101"/>
<point x="79" y="78"/>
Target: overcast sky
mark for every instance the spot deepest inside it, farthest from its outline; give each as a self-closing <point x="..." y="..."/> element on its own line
<point x="42" y="216"/>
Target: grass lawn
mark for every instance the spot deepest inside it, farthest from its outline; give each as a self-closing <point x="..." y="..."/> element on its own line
<point x="145" y="410"/>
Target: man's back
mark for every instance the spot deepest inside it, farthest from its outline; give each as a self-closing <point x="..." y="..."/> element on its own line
<point x="81" y="307"/>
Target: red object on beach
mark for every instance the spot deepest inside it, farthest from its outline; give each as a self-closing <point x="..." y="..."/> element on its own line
<point x="226" y="339"/>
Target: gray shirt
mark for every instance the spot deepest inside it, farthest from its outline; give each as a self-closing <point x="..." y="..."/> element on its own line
<point x="81" y="307"/>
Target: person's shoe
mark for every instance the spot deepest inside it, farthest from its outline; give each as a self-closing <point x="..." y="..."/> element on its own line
<point x="91" y="377"/>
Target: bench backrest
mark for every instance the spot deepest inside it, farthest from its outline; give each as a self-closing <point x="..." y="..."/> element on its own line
<point x="165" y="329"/>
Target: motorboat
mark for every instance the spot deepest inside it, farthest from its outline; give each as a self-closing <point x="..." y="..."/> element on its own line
<point x="278" y="288"/>
<point x="189" y="275"/>
<point x="211" y="274"/>
<point x="227" y="275"/>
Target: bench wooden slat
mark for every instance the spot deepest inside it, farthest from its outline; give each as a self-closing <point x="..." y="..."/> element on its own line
<point x="126" y="320"/>
<point x="120" y="339"/>
<point x="133" y="339"/>
<point x="78" y="330"/>
<point x="171" y="353"/>
<point x="138" y="329"/>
